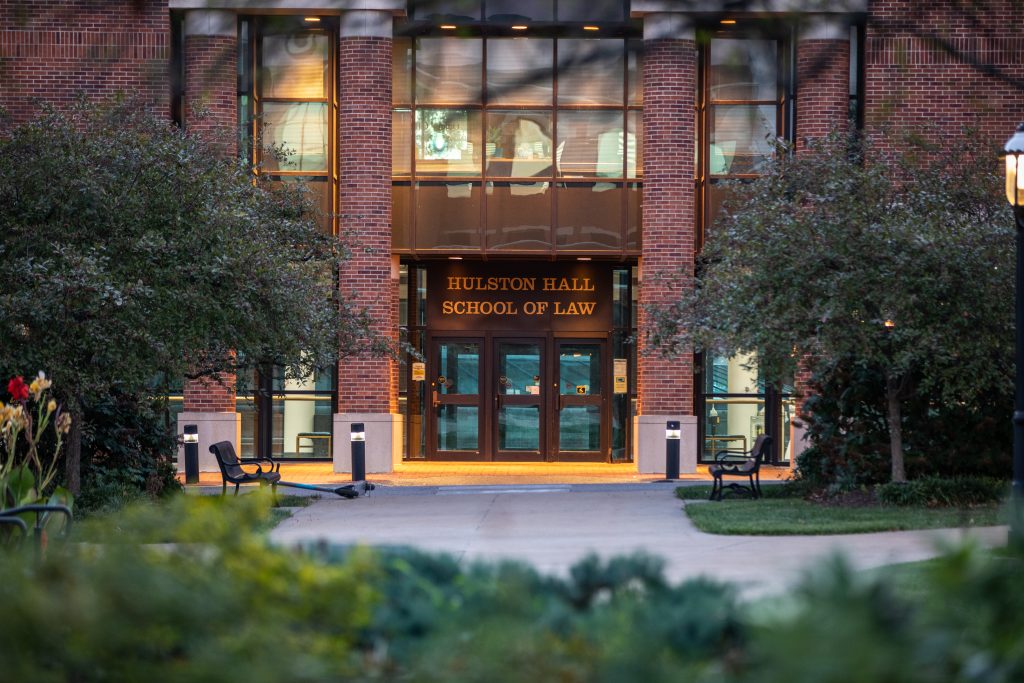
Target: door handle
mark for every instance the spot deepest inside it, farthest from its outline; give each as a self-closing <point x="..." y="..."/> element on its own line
<point x="437" y="401"/>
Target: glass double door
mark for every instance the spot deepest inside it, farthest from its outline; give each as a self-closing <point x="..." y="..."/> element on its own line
<point x="522" y="398"/>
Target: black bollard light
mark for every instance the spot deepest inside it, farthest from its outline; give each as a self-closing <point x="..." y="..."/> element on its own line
<point x="671" y="450"/>
<point x="191" y="440"/>
<point x="358" y="452"/>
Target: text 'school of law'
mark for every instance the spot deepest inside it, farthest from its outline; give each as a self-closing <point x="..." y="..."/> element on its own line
<point x="520" y="284"/>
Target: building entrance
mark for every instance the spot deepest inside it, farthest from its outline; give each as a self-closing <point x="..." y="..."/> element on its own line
<point x="540" y="398"/>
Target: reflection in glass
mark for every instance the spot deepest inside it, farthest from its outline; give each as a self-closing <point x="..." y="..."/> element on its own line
<point x="295" y="66"/>
<point x="580" y="365"/>
<point x="466" y="10"/>
<point x="519" y="428"/>
<point x="592" y="143"/>
<point x="520" y="10"/>
<point x="634" y="144"/>
<point x="459" y="364"/>
<point x="519" y="369"/>
<point x="718" y="193"/>
<point x="742" y="137"/>
<point x="448" y="70"/>
<point x="590" y="10"/>
<point x="519" y="71"/>
<point x="458" y="428"/>
<point x="518" y="144"/>
<point x="590" y="71"/>
<point x="447" y="215"/>
<point x="634" y="215"/>
<point x="447" y="142"/>
<point x="315" y="192"/>
<point x="589" y="216"/>
<point x="401" y="142"/>
<point x="401" y="227"/>
<point x="579" y="428"/>
<point x="519" y="216"/>
<point x="743" y="69"/>
<point x="401" y="70"/>
<point x="634" y="71"/>
<point x="299" y="131"/>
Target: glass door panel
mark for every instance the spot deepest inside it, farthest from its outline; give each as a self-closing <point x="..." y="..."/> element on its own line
<point x="518" y="397"/>
<point x="581" y="370"/>
<point x="456" y="396"/>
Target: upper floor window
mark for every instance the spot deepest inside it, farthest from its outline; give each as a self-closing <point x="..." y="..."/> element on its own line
<point x="516" y="144"/>
<point x="288" y="63"/>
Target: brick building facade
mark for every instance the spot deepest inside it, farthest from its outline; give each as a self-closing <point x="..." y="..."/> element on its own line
<point x="519" y="181"/>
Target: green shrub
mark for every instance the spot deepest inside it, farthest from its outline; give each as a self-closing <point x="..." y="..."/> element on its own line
<point x="128" y="453"/>
<point x="848" y="431"/>
<point x="939" y="492"/>
<point x="218" y="605"/>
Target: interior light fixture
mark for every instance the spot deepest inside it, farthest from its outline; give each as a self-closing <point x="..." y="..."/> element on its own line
<point x="728" y="22"/>
<point x="582" y="258"/>
<point x="311" y="20"/>
<point x="454" y="258"/>
<point x="519" y="27"/>
<point x="591" y="28"/>
<point x="449" y="27"/>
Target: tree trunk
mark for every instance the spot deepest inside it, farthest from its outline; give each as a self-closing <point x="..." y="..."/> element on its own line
<point x="892" y="394"/>
<point x="73" y="459"/>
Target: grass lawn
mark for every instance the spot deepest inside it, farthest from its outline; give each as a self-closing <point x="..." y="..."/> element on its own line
<point x="795" y="516"/>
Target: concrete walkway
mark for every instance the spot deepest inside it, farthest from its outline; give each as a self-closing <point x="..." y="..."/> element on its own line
<point x="554" y="526"/>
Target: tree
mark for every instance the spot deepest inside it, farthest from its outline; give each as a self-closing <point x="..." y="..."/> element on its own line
<point x="903" y="262"/>
<point x="134" y="250"/>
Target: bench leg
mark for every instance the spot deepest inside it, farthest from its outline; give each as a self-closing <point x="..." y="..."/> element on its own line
<point x="716" y="489"/>
<point x="223" y="488"/>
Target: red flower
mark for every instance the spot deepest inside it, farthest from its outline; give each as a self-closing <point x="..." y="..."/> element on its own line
<point x="17" y="389"/>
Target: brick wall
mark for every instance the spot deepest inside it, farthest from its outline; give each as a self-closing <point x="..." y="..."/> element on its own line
<point x="919" y="72"/>
<point x="823" y="88"/>
<point x="52" y="51"/>
<point x="211" y="104"/>
<point x="211" y="111"/>
<point x="210" y="395"/>
<point x="666" y="386"/>
<point x="822" y="106"/>
<point x="366" y="384"/>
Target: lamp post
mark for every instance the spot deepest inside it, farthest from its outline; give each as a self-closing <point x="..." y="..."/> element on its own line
<point x="1014" y="151"/>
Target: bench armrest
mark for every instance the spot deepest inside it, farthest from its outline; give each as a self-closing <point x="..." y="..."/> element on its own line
<point x="733" y="456"/>
<point x="274" y="466"/>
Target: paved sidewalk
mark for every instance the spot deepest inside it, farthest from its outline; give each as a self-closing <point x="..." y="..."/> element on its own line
<point x="487" y="473"/>
<point x="553" y="526"/>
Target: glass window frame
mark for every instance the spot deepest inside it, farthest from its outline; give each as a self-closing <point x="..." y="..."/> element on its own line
<point x="630" y="107"/>
<point x="258" y="27"/>
<point x="774" y="398"/>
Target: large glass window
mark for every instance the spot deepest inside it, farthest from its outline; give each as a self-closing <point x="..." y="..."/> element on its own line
<point x="293" y="109"/>
<point x="543" y="134"/>
<point x="742" y="114"/>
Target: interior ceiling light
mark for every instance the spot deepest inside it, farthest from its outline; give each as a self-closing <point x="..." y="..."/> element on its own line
<point x="448" y="27"/>
<point x="311" y="20"/>
<point x="591" y="28"/>
<point x="454" y="258"/>
<point x="519" y="27"/>
<point x="728" y="21"/>
<point x="582" y="258"/>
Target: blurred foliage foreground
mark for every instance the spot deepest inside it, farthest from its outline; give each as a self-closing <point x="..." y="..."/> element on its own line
<point x="186" y="592"/>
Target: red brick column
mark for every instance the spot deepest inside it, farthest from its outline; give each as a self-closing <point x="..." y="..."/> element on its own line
<point x="367" y="386"/>
<point x="211" y="63"/>
<point x="822" y="81"/>
<point x="211" y="45"/>
<point x="666" y="385"/>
